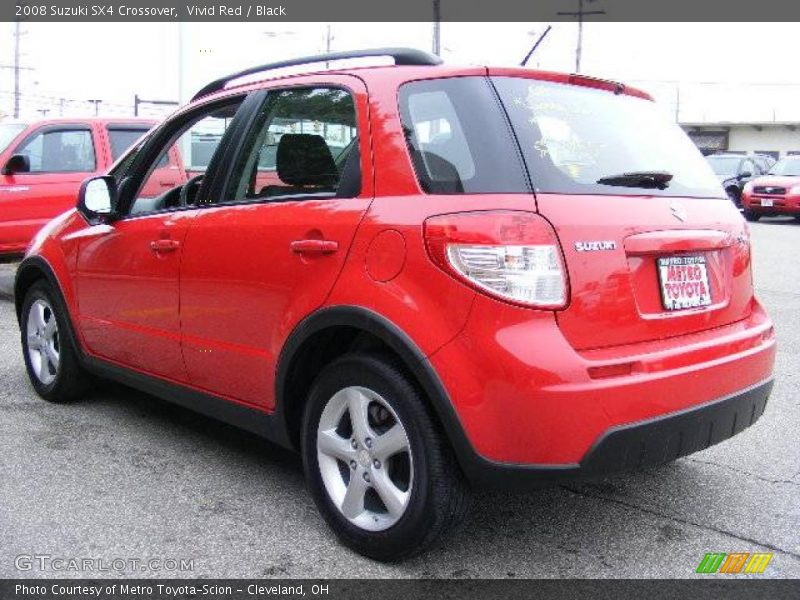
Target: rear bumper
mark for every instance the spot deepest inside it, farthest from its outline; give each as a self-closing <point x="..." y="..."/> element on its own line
<point x="637" y="445"/>
<point x="529" y="409"/>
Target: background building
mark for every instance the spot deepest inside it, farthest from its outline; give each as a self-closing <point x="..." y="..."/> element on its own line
<point x="777" y="139"/>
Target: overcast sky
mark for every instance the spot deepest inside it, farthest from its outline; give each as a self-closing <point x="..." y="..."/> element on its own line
<point x="721" y="72"/>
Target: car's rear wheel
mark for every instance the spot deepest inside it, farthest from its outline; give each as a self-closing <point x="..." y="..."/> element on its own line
<point x="751" y="216"/>
<point x="377" y="465"/>
<point x="49" y="351"/>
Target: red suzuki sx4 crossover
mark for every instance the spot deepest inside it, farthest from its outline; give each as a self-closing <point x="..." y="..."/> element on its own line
<point x="425" y="279"/>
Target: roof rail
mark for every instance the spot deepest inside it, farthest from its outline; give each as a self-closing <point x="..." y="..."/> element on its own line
<point x="401" y="56"/>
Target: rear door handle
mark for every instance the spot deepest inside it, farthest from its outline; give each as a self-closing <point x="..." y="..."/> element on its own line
<point x="314" y="246"/>
<point x="165" y="245"/>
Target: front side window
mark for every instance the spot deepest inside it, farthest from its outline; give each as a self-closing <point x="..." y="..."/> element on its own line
<point x="162" y="184"/>
<point x="304" y="143"/>
<point x="458" y="138"/>
<point x="582" y="140"/>
<point x="60" y="151"/>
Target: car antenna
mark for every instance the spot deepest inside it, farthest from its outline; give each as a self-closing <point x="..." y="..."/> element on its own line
<point x="535" y="46"/>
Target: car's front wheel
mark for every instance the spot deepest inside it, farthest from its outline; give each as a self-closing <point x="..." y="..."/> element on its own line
<point x="49" y="351"/>
<point x="751" y="216"/>
<point x="376" y="462"/>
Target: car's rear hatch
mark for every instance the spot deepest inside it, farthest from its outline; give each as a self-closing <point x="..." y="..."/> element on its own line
<point x="620" y="295"/>
<point x="655" y="250"/>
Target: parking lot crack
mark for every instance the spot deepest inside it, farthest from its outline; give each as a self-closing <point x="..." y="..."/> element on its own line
<point x="789" y="481"/>
<point x="683" y="521"/>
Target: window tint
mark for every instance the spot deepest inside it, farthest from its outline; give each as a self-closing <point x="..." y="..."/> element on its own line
<point x="572" y="137"/>
<point x="304" y="142"/>
<point x="123" y="138"/>
<point x="60" y="151"/>
<point x="459" y="139"/>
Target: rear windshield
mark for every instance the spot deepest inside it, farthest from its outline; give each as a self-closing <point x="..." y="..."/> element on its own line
<point x="459" y="140"/>
<point x="572" y="137"/>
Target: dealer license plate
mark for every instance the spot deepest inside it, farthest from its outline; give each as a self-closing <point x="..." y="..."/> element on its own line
<point x="766" y="202"/>
<point x="684" y="282"/>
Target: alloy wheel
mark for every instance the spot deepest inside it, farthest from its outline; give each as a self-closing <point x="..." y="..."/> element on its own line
<point x="365" y="458"/>
<point x="44" y="346"/>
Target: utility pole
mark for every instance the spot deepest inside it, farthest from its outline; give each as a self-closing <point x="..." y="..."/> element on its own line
<point x="677" y="102"/>
<point x="437" y="27"/>
<point x="61" y="103"/>
<point x="580" y="14"/>
<point x="43" y="112"/>
<point x="96" y="106"/>
<point x="17" y="34"/>
<point x="328" y="40"/>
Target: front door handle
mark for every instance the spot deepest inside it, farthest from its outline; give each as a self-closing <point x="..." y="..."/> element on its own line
<point x="314" y="246"/>
<point x="165" y="245"/>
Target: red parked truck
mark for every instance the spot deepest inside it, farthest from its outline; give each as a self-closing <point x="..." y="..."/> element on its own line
<point x="42" y="165"/>
<point x="455" y="278"/>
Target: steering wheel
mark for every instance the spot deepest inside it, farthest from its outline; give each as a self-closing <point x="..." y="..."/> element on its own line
<point x="183" y="199"/>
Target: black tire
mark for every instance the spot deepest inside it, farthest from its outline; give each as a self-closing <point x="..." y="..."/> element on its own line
<point x="751" y="216"/>
<point x="439" y="498"/>
<point x="71" y="381"/>
<point x="735" y="195"/>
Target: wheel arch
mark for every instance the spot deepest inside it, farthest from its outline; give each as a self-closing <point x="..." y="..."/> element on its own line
<point x="36" y="268"/>
<point x="31" y="270"/>
<point x="334" y="331"/>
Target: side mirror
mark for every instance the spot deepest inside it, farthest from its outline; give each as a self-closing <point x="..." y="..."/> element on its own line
<point x="18" y="163"/>
<point x="98" y="198"/>
<point x="745" y="174"/>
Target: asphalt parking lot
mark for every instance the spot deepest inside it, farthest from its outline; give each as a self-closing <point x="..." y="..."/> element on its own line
<point x="125" y="475"/>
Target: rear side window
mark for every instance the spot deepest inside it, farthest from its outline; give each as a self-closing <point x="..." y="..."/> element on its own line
<point x="60" y="151"/>
<point x="122" y="138"/>
<point x="582" y="140"/>
<point x="458" y="138"/>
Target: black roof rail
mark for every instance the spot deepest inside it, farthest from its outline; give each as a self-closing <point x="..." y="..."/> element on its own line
<point x="401" y="56"/>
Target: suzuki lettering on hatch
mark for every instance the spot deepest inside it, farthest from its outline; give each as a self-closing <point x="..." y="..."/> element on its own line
<point x="684" y="282"/>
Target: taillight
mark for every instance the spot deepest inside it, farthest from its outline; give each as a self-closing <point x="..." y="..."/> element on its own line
<point x="514" y="256"/>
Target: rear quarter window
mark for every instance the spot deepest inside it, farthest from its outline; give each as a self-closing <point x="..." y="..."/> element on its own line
<point x="122" y="138"/>
<point x="459" y="139"/>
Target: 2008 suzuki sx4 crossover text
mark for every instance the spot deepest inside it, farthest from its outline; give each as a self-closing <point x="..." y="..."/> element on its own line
<point x="425" y="279"/>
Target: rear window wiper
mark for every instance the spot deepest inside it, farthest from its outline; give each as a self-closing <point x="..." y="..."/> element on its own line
<point x="642" y="179"/>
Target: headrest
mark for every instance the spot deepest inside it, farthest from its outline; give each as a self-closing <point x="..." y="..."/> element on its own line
<point x="305" y="159"/>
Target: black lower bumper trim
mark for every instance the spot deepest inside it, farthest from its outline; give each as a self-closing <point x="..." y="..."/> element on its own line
<point x="641" y="444"/>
